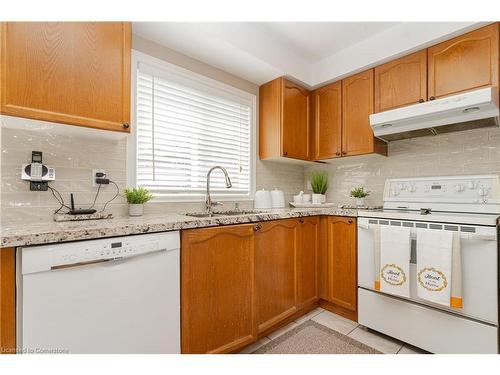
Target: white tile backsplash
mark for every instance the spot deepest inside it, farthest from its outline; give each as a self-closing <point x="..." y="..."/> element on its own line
<point x="469" y="152"/>
<point x="74" y="157"/>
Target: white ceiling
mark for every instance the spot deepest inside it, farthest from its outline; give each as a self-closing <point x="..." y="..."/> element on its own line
<point x="314" y="41"/>
<point x="311" y="53"/>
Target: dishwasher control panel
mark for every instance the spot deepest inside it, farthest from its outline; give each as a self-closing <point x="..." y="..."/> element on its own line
<point x="47" y="257"/>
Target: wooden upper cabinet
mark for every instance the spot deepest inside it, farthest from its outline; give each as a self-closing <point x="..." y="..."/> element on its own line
<point x="327" y="115"/>
<point x="307" y="261"/>
<point x="357" y="106"/>
<point x="7" y="301"/>
<point x="401" y="82"/>
<point x="217" y="289"/>
<point x="341" y="258"/>
<point x="464" y="63"/>
<point x="275" y="271"/>
<point x="284" y="129"/>
<point x="68" y="72"/>
<point x="295" y="126"/>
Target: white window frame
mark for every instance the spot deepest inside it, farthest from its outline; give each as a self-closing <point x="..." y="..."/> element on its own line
<point x="161" y="65"/>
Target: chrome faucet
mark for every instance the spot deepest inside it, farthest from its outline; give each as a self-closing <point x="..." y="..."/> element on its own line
<point x="208" y="201"/>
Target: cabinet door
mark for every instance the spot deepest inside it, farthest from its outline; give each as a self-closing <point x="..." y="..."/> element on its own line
<point x="464" y="63"/>
<point x="357" y="105"/>
<point x="217" y="289"/>
<point x="328" y="121"/>
<point x="275" y="272"/>
<point x="342" y="270"/>
<point x="401" y="82"/>
<point x="307" y="261"/>
<point x="69" y="72"/>
<point x="295" y="121"/>
<point x="7" y="301"/>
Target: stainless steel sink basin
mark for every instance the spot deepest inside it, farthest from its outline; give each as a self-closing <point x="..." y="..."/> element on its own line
<point x="224" y="213"/>
<point x="198" y="214"/>
<point x="239" y="212"/>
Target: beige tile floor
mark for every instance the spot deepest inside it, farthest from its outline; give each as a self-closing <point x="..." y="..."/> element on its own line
<point x="376" y="340"/>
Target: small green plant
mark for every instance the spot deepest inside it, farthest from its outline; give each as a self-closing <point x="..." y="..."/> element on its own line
<point x="137" y="195"/>
<point x="319" y="182"/>
<point x="359" y="192"/>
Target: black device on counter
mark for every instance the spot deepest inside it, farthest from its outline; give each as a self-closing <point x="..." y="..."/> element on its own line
<point x="80" y="211"/>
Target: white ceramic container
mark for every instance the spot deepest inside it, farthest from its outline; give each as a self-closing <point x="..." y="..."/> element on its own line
<point x="299" y="198"/>
<point x="135" y="209"/>
<point x="360" y="202"/>
<point x="318" y="198"/>
<point x="262" y="199"/>
<point x="277" y="198"/>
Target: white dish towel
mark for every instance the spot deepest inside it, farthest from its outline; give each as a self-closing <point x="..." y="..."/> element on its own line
<point x="434" y="265"/>
<point x="395" y="247"/>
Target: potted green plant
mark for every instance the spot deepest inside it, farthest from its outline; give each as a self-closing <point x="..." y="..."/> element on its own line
<point x="319" y="185"/>
<point x="360" y="194"/>
<point x="136" y="198"/>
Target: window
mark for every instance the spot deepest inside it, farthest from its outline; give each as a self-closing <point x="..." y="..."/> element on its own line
<point x="186" y="124"/>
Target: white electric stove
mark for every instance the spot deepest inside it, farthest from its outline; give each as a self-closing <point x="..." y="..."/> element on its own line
<point x="469" y="205"/>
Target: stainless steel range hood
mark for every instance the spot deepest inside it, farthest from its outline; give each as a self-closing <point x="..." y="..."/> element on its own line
<point x="471" y="110"/>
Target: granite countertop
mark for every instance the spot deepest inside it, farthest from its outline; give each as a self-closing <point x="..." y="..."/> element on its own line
<point x="53" y="232"/>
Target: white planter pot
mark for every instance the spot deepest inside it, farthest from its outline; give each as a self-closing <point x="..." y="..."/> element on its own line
<point x="360" y="202"/>
<point x="135" y="209"/>
<point x="318" y="198"/>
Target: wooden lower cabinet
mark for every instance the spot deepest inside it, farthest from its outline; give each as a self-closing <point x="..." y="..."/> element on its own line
<point x="241" y="282"/>
<point x="338" y="271"/>
<point x="307" y="261"/>
<point x="7" y="301"/>
<point x="217" y="289"/>
<point x="275" y="268"/>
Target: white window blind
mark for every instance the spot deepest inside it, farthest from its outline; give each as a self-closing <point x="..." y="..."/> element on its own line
<point x="184" y="128"/>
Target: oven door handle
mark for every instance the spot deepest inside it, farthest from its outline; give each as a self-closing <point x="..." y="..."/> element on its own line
<point x="484" y="237"/>
<point x="463" y="235"/>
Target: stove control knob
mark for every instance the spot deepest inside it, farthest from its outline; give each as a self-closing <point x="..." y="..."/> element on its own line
<point x="459" y="188"/>
<point x="412" y="188"/>
<point x="394" y="192"/>
<point x="471" y="185"/>
<point x="482" y="192"/>
<point x="402" y="186"/>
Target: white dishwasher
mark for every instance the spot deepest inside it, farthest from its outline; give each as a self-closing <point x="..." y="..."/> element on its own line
<point x="114" y="295"/>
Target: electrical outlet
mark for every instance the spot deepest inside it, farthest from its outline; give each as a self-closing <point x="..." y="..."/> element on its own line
<point x="94" y="176"/>
<point x="39" y="186"/>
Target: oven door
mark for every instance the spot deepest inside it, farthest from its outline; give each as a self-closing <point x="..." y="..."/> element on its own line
<point x="479" y="265"/>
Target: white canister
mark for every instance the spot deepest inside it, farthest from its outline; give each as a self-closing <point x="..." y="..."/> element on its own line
<point x="306" y="198"/>
<point x="277" y="198"/>
<point x="262" y="199"/>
